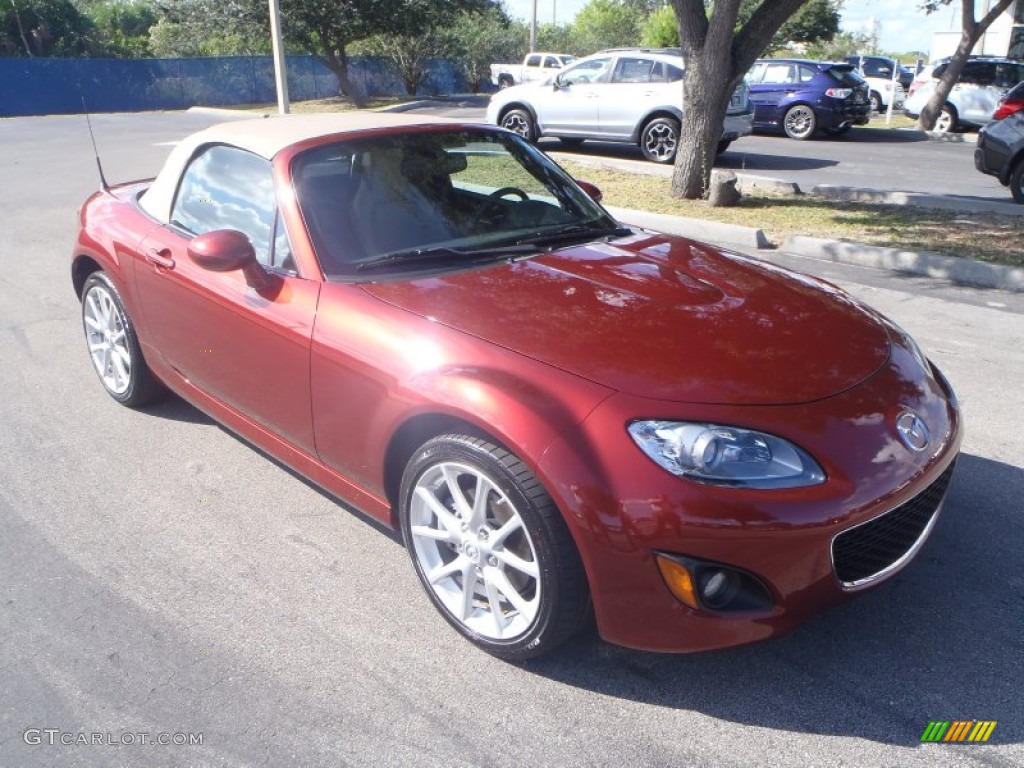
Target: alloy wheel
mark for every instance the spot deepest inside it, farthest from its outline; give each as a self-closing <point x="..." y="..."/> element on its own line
<point x="107" y="337"/>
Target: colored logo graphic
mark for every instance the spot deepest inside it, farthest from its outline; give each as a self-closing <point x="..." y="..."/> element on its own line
<point x="959" y="730"/>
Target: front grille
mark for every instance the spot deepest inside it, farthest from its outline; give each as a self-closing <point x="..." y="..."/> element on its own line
<point x="870" y="549"/>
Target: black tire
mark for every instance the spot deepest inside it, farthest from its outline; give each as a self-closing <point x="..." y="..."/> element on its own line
<point x="520" y="121"/>
<point x="800" y="122"/>
<point x="659" y="140"/>
<point x="571" y="142"/>
<point x="548" y="608"/>
<point x="1016" y="182"/>
<point x="947" y="120"/>
<point x="876" y="102"/>
<point x="723" y="145"/>
<point x="131" y="382"/>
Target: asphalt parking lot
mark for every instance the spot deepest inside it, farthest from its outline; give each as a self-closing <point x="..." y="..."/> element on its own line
<point x="159" y="576"/>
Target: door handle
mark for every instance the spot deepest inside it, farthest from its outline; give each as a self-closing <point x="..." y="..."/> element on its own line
<point x="161" y="257"/>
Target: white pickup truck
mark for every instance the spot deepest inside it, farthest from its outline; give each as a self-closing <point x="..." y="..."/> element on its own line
<point x="536" y="66"/>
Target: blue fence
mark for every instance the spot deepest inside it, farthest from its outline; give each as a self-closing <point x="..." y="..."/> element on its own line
<point x="57" y="86"/>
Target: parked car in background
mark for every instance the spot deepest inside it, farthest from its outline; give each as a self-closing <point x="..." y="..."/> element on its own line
<point x="568" y="420"/>
<point x="984" y="81"/>
<point x="535" y="66"/>
<point x="878" y="72"/>
<point x="1000" y="150"/>
<point x="800" y="97"/>
<point x="624" y="95"/>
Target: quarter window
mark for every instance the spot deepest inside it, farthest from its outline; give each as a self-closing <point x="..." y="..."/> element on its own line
<point x="228" y="188"/>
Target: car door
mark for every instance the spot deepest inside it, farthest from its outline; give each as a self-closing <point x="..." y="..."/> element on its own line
<point x="770" y="84"/>
<point x="637" y="85"/>
<point x="570" y="105"/>
<point x="247" y="348"/>
<point x="975" y="95"/>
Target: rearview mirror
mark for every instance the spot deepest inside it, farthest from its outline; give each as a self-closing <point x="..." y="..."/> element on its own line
<point x="225" y="250"/>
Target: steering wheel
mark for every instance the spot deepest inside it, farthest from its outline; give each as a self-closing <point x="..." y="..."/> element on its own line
<point x="509" y="191"/>
<point x="492" y="202"/>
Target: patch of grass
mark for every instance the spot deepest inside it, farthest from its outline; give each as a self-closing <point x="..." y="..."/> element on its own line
<point x="983" y="237"/>
<point x="333" y="104"/>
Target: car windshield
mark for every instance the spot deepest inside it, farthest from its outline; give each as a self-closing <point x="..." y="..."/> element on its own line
<point x="435" y="199"/>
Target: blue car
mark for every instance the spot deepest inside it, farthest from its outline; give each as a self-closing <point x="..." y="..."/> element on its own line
<point x="800" y="96"/>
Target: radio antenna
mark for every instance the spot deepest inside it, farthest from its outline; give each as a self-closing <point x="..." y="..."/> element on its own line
<point x="96" y="153"/>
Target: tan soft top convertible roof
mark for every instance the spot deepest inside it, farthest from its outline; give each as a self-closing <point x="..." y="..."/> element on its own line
<point x="266" y="137"/>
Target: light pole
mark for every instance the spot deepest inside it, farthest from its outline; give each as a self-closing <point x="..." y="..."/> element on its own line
<point x="533" y="28"/>
<point x="280" y="69"/>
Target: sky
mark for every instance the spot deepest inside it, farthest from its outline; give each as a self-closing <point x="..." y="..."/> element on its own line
<point x="902" y="27"/>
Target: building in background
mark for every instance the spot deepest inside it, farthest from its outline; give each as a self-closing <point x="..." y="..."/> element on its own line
<point x="1004" y="38"/>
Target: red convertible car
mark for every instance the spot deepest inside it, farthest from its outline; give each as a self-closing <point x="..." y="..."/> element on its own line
<point x="565" y="417"/>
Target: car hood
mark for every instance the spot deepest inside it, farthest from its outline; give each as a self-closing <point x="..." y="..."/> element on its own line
<point x="663" y="318"/>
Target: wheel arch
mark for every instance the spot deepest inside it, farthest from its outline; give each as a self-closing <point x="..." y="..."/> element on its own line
<point x="518" y="105"/>
<point x="81" y="267"/>
<point x="669" y="112"/>
<point x="1008" y="168"/>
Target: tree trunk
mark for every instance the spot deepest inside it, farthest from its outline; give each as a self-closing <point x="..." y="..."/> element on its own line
<point x="972" y="31"/>
<point x="703" y="115"/>
<point x="338" y="64"/>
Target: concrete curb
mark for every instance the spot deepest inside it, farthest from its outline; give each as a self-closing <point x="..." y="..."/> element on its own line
<point x="916" y="199"/>
<point x="698" y="229"/>
<point x="237" y="114"/>
<point x="956" y="270"/>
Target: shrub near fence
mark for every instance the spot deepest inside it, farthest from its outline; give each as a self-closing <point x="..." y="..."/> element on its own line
<point x="41" y="86"/>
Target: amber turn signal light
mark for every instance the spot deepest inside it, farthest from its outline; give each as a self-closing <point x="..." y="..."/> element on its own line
<point x="678" y="579"/>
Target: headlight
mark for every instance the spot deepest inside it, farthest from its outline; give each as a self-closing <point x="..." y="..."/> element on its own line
<point x="720" y="455"/>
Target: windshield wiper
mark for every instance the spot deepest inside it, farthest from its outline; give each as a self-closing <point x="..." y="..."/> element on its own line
<point x="574" y="232"/>
<point x="446" y="254"/>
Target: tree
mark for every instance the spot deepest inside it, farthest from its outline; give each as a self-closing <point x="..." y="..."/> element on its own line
<point x="409" y="54"/>
<point x="816" y="22"/>
<point x="122" y="26"/>
<point x="971" y="30"/>
<point x="476" y="39"/>
<point x="717" y="52"/>
<point x="606" y="24"/>
<point x="208" y="28"/>
<point x="841" y="45"/>
<point x="325" y="29"/>
<point x="44" y="28"/>
<point x="660" y="29"/>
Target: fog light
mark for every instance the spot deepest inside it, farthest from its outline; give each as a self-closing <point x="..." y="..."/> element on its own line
<point x="718" y="587"/>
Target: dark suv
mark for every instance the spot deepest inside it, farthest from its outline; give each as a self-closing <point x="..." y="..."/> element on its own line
<point x="1000" y="150"/>
<point x="880" y="66"/>
<point x="800" y="96"/>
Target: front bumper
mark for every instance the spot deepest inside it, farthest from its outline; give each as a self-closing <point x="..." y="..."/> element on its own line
<point x="622" y="508"/>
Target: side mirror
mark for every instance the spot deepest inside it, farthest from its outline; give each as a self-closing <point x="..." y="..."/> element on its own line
<point x="558" y="83"/>
<point x="592" y="191"/>
<point x="225" y="250"/>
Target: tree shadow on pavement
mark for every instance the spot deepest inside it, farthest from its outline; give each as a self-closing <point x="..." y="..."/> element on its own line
<point x="943" y="640"/>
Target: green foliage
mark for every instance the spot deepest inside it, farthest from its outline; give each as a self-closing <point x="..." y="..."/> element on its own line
<point x="817" y="21"/>
<point x="209" y="28"/>
<point x="606" y="24"/>
<point x="45" y="28"/>
<point x="661" y="29"/>
<point x="557" y="38"/>
<point x="476" y="39"/>
<point x="843" y="44"/>
<point x="122" y="26"/>
<point x="408" y="54"/>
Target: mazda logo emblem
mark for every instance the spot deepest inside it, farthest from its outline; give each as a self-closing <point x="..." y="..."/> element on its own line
<point x="912" y="431"/>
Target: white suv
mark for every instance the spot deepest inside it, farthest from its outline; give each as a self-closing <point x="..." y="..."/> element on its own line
<point x="623" y="95"/>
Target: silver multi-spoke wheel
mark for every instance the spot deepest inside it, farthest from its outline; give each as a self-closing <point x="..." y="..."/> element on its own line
<point x="474" y="551"/>
<point x="491" y="548"/>
<point x="520" y="121"/>
<point x="799" y="122"/>
<point x="946" y="121"/>
<point x="113" y="346"/>
<point x="108" y="339"/>
<point x="660" y="140"/>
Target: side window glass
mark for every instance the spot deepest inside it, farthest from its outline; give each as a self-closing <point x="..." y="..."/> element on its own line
<point x="282" y="254"/>
<point x="979" y="73"/>
<point x="551" y="62"/>
<point x="533" y="61"/>
<point x="630" y="70"/>
<point x="807" y="74"/>
<point x="586" y="71"/>
<point x="673" y="73"/>
<point x="756" y="74"/>
<point x="228" y="188"/>
<point x="779" y="74"/>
